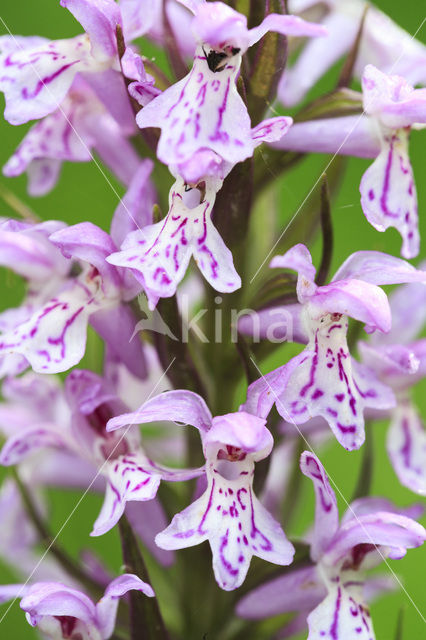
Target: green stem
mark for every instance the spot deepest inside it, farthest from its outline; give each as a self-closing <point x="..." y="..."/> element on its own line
<point x="183" y="374"/>
<point x="146" y="622"/>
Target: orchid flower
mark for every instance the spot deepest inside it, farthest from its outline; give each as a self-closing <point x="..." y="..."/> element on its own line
<point x="60" y="612"/>
<point x="399" y="360"/>
<point x="129" y="473"/>
<point x="70" y="133"/>
<point x="330" y="595"/>
<point x="391" y="109"/>
<point x="383" y="43"/>
<point x="205" y="126"/>
<point x="158" y="255"/>
<point x="228" y="514"/>
<point x="396" y="107"/>
<point x="36" y="76"/>
<point x="324" y="380"/>
<point x="76" y="87"/>
<point x="49" y="331"/>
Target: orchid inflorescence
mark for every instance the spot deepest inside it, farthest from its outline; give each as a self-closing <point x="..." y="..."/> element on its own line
<point x="226" y="449"/>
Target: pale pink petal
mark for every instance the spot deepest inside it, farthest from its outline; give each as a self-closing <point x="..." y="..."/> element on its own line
<point x="185" y="407"/>
<point x="395" y="364"/>
<point x="392" y="532"/>
<point x="135" y="208"/>
<point x="55" y="599"/>
<point x="406" y="325"/>
<point x="218" y="25"/>
<point x="54" y="338"/>
<point x="236" y="525"/>
<point x="129" y="478"/>
<point x="263" y="393"/>
<point x="406" y="445"/>
<point x="325" y="384"/>
<point x="213" y="257"/>
<point x="357" y="299"/>
<point x="43" y="174"/>
<point x="113" y="148"/>
<point x="62" y="135"/>
<point x="318" y="56"/>
<point x="277" y="481"/>
<point x="143" y="92"/>
<point x="326" y="511"/>
<point x="298" y="259"/>
<point x="60" y="468"/>
<point x="399" y="52"/>
<point x="11" y="591"/>
<point x="343" y="615"/>
<point x="28" y="252"/>
<point x="99" y="18"/>
<point x="217" y="118"/>
<point x="276" y="324"/>
<point x="298" y="590"/>
<point x="12" y="43"/>
<point x="242" y="430"/>
<point x="388" y="193"/>
<point x="202" y="163"/>
<point x="85" y="241"/>
<point x="378" y="268"/>
<point x="35" y="81"/>
<point x="271" y="130"/>
<point x="120" y="344"/>
<point x="287" y="25"/>
<point x="138" y="18"/>
<point x="29" y="440"/>
<point x="159" y="254"/>
<point x="372" y="504"/>
<point x="110" y="89"/>
<point x="106" y="608"/>
<point x="348" y="135"/>
<point x="392" y="99"/>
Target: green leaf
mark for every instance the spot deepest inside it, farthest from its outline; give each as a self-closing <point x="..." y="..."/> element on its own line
<point x="348" y="68"/>
<point x="327" y="233"/>
<point x="337" y="103"/>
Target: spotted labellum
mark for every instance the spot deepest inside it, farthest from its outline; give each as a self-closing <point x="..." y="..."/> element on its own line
<point x="228" y="514"/>
<point x="324" y="380"/>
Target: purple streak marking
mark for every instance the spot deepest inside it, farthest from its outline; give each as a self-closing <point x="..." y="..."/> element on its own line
<point x="386" y="184"/>
<point x="61" y="338"/>
<point x="27" y="95"/>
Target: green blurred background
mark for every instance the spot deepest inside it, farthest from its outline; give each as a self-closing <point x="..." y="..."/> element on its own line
<point x="83" y="193"/>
